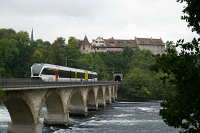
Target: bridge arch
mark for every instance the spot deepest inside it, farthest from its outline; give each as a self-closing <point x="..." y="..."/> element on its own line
<point x="113" y="93"/>
<point x="116" y="89"/>
<point x="55" y="112"/>
<point x="100" y="97"/>
<point x="76" y="103"/>
<point x="18" y="107"/>
<point x="76" y="98"/>
<point x="91" y="100"/>
<point x="54" y="102"/>
<point x="107" y="95"/>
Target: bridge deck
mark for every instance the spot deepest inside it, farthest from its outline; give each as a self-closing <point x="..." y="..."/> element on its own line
<point x="28" y="84"/>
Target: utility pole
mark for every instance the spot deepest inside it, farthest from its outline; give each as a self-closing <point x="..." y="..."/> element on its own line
<point x="66" y="62"/>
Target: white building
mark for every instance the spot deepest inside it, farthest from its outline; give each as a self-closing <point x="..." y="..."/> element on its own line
<point x="100" y="44"/>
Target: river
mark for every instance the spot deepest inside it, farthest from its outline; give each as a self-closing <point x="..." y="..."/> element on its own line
<point x="120" y="117"/>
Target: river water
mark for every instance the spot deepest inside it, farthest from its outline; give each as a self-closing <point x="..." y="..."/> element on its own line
<point x="120" y="117"/>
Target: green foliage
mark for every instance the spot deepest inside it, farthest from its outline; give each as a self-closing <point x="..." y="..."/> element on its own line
<point x="192" y="15"/>
<point x="141" y="83"/>
<point x="181" y="106"/>
<point x="8" y="53"/>
<point x="57" y="52"/>
<point x="136" y="84"/>
<point x="72" y="52"/>
<point x="142" y="59"/>
<point x="93" y="62"/>
<point x="2" y="94"/>
<point x="181" y="109"/>
<point x="73" y="42"/>
<point x="7" y="33"/>
<point x="40" y="51"/>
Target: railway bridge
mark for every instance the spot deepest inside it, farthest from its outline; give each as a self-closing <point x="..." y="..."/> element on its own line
<point x="25" y="98"/>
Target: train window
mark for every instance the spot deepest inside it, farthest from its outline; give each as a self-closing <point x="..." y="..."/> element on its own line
<point x="81" y="75"/>
<point x="91" y="76"/>
<point x="68" y="74"/>
<point x="95" y="76"/>
<point x="73" y="75"/>
<point x="63" y="74"/>
<point x="78" y="75"/>
<point x="47" y="71"/>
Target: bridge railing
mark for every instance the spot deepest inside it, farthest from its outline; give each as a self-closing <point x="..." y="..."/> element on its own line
<point x="16" y="83"/>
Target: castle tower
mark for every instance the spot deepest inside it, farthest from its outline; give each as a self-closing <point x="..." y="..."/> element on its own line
<point x="32" y="39"/>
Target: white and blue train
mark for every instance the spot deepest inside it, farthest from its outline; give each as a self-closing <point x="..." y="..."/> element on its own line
<point x="50" y="73"/>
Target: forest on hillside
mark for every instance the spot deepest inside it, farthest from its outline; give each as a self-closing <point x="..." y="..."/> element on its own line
<point x="18" y="52"/>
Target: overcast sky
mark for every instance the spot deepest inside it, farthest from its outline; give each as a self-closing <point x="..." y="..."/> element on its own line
<point x="121" y="19"/>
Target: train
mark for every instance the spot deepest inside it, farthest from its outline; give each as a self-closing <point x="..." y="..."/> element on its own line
<point x="52" y="73"/>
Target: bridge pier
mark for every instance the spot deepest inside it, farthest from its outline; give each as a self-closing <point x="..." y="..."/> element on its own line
<point x="108" y="95"/>
<point x="56" y="112"/>
<point x="92" y="103"/>
<point x="101" y="103"/>
<point x="78" y="102"/>
<point x="56" y="119"/>
<point x="23" y="128"/>
<point x="116" y="90"/>
<point x="92" y="107"/>
<point x="78" y="110"/>
<point x="101" y="97"/>
<point x="23" y="107"/>
<point x="113" y="93"/>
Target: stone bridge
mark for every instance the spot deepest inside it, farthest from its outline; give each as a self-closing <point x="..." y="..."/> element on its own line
<point x="24" y="102"/>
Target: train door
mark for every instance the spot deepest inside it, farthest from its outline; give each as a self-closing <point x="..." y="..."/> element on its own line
<point x="86" y="75"/>
<point x="56" y="75"/>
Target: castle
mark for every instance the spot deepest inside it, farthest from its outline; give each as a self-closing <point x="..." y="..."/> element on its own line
<point x="156" y="46"/>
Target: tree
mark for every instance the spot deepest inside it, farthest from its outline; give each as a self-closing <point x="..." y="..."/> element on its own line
<point x="8" y="54"/>
<point x="136" y="84"/>
<point x="143" y="59"/>
<point x="40" y="51"/>
<point x="7" y="33"/>
<point x="140" y="83"/>
<point x="56" y="54"/>
<point x="73" y="42"/>
<point x="72" y="52"/>
<point x="93" y="62"/>
<point x="181" y="108"/>
<point x="192" y="15"/>
<point x="21" y="67"/>
<point x="16" y="53"/>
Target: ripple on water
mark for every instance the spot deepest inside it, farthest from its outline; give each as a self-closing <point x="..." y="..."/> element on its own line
<point x="120" y="122"/>
<point x="4" y="115"/>
<point x="122" y="117"/>
<point x="148" y="109"/>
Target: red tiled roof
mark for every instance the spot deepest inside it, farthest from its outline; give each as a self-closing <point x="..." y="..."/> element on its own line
<point x="120" y="43"/>
<point x="149" y="41"/>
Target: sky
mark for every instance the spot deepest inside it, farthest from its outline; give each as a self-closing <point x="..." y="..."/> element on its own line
<point x="121" y="19"/>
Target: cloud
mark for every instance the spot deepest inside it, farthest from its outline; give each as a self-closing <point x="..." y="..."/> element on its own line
<point x="118" y="18"/>
<point x="52" y="7"/>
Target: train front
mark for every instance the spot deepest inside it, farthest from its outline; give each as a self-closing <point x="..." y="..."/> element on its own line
<point x="36" y="70"/>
